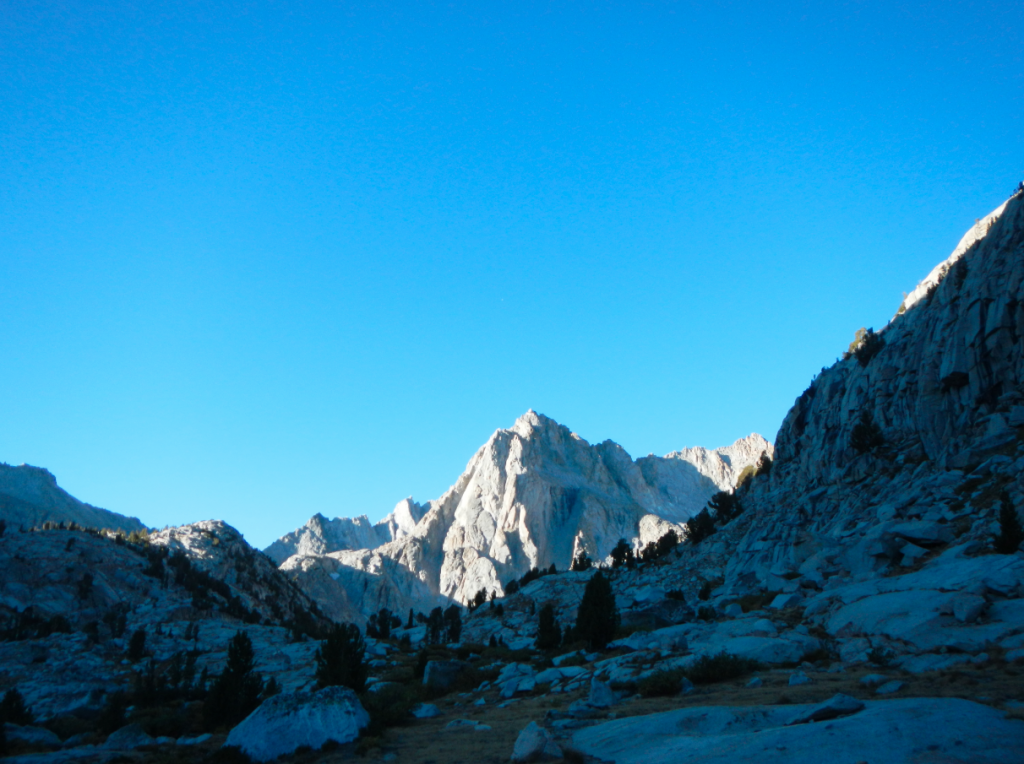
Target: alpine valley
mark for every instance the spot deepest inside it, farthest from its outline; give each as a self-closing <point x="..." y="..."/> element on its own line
<point x="854" y="592"/>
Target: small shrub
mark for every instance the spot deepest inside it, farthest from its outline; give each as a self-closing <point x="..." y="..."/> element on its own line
<point x="865" y="346"/>
<point x="661" y="684"/>
<point x="675" y="594"/>
<point x="705" y="591"/>
<point x="1010" y="532"/>
<point x="709" y="669"/>
<point x="880" y="656"/>
<point x="390" y="707"/>
<point x="706" y="613"/>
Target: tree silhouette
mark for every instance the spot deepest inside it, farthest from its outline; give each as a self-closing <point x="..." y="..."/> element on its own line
<point x="340" y="659"/>
<point x="549" y="635"/>
<point x="597" y="617"/>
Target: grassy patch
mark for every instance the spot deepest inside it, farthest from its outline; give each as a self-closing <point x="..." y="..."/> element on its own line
<point x="709" y="669"/>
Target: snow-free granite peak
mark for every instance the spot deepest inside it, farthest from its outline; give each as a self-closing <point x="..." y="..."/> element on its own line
<point x="534" y="495"/>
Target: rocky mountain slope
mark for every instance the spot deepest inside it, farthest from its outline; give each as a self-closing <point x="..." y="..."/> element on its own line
<point x="534" y="495"/>
<point x="30" y="496"/>
<point x="871" y="539"/>
<point x="70" y="599"/>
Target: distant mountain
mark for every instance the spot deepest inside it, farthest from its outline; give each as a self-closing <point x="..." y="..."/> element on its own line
<point x="534" y="495"/>
<point x="30" y="496"/>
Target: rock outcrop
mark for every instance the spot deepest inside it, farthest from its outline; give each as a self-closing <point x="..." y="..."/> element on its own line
<point x="30" y="497"/>
<point x="288" y="721"/>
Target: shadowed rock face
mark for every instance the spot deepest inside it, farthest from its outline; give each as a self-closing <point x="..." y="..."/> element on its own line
<point x="30" y="496"/>
<point x="534" y="495"/>
<point x="946" y="392"/>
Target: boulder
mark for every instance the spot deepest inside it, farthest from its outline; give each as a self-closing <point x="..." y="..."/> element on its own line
<point x="441" y="675"/>
<point x="967" y="607"/>
<point x="287" y="721"/>
<point x="128" y="738"/>
<point x="535" y="744"/>
<point x="902" y="731"/>
<point x="601" y="695"/>
<point x="798" y="677"/>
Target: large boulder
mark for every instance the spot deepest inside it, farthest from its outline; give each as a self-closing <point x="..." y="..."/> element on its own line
<point x="34" y="736"/>
<point x="885" y="732"/>
<point x="128" y="738"/>
<point x="441" y="675"/>
<point x="289" y="720"/>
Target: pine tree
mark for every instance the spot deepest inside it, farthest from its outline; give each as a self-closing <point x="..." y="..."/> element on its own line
<point x="13" y="709"/>
<point x="622" y="554"/>
<point x="236" y="692"/>
<point x="1010" y="532"/>
<point x="453" y="623"/>
<point x="597" y="617"/>
<point x="700" y="526"/>
<point x="340" y="660"/>
<point x="581" y="561"/>
<point x="549" y="635"/>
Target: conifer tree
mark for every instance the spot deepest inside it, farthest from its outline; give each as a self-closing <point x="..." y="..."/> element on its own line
<point x="236" y="692"/>
<point x="597" y="617"/>
<point x="13" y="709"/>
<point x="549" y="635"/>
<point x="1010" y="532"/>
<point x="340" y="659"/>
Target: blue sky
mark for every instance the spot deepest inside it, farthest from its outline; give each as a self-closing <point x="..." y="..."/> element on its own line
<point x="260" y="262"/>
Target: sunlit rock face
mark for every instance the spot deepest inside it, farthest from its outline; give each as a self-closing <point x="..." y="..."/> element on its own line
<point x="30" y="496"/>
<point x="532" y="496"/>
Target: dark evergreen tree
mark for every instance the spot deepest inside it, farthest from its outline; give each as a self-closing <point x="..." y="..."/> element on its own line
<point x="340" y="659"/>
<point x="700" y="526"/>
<point x="453" y="623"/>
<point x="435" y="626"/>
<point x="478" y="599"/>
<point x="14" y="710"/>
<point x="723" y="507"/>
<point x="597" y="617"/>
<point x="409" y="624"/>
<point x="1010" y="533"/>
<point x="549" y="635"/>
<point x="236" y="692"/>
<point x="552" y="570"/>
<point x="764" y="465"/>
<point x="137" y="646"/>
<point x="866" y="435"/>
<point x="622" y="555"/>
<point x="384" y="623"/>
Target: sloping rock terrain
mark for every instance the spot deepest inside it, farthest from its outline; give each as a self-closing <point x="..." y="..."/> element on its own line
<point x="30" y="497"/>
<point x="71" y="599"/>
<point x="534" y="495"/>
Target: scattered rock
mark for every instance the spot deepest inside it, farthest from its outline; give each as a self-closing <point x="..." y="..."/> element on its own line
<point x="872" y="680"/>
<point x="798" y="677"/>
<point x="535" y="744"/>
<point x="290" y="720"/>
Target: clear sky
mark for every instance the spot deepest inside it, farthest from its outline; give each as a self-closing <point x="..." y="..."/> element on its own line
<point x="264" y="260"/>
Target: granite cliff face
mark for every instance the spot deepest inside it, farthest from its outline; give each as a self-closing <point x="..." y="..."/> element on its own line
<point x="534" y="495"/>
<point x="30" y="496"/>
<point x="945" y="390"/>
